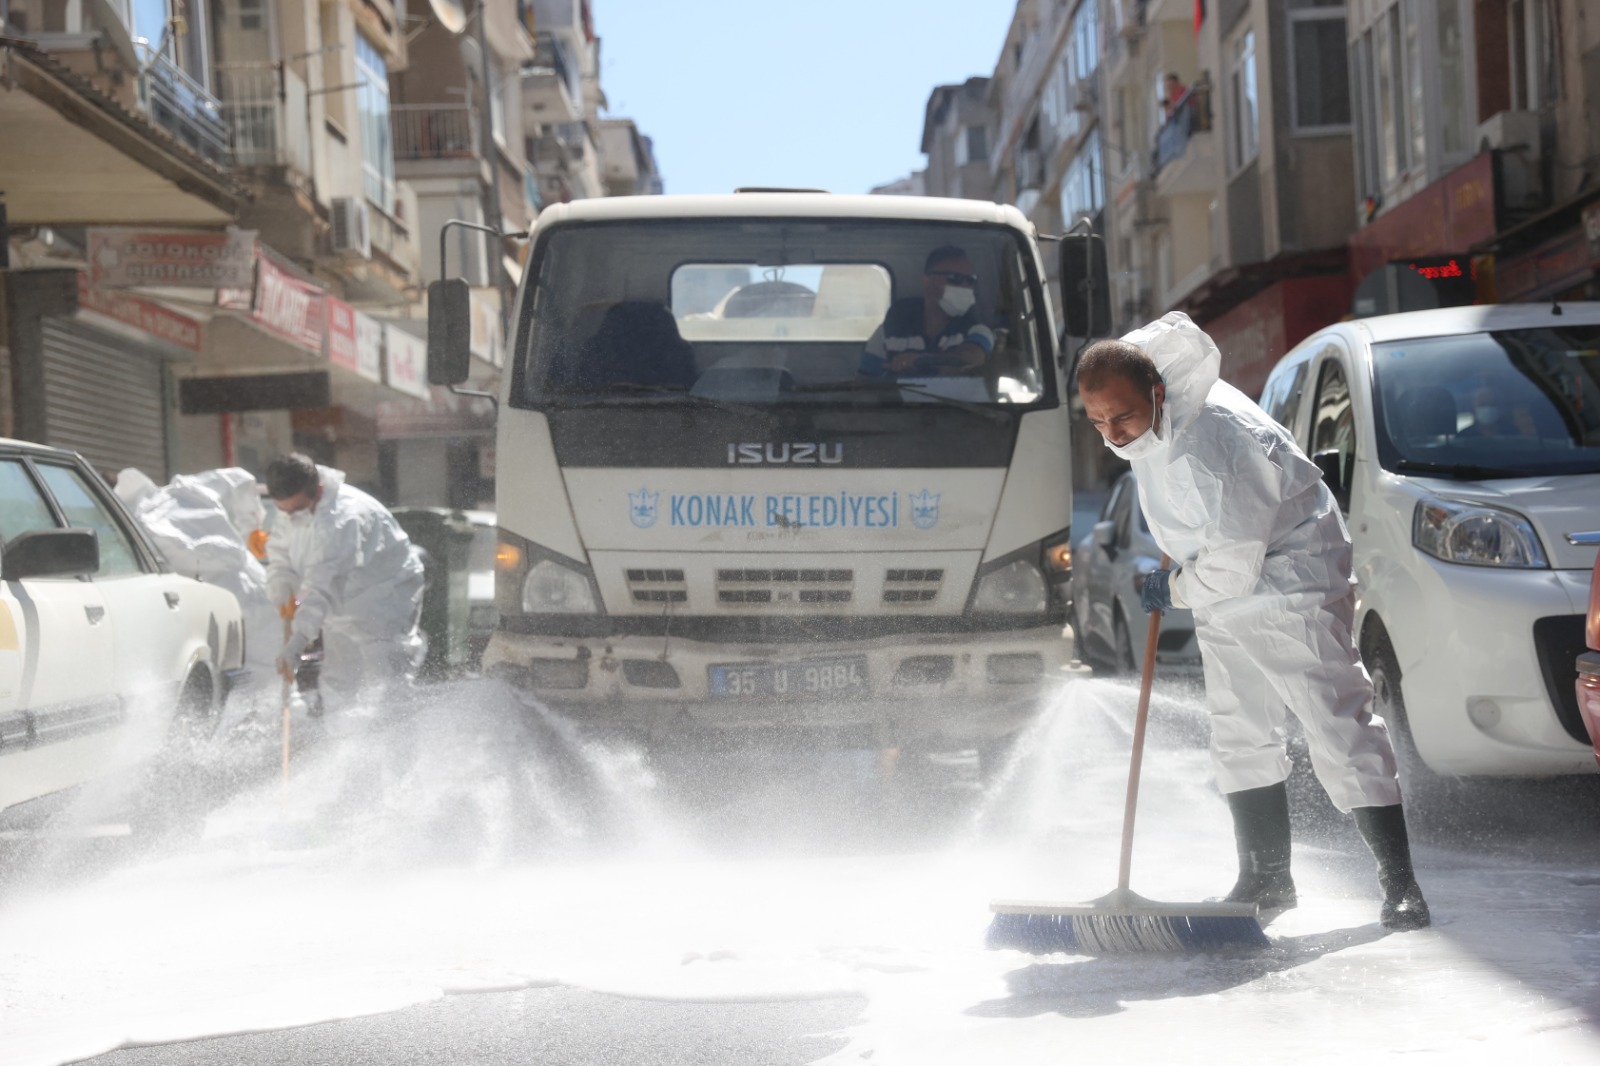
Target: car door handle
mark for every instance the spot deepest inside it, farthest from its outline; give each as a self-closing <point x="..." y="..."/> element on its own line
<point x="172" y="600"/>
<point x="96" y="613"/>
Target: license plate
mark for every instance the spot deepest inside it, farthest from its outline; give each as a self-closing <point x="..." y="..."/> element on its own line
<point x="811" y="679"/>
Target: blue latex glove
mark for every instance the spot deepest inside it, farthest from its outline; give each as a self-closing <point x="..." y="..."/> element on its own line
<point x="1157" y="592"/>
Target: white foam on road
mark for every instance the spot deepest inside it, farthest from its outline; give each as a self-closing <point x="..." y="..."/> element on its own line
<point x="272" y="921"/>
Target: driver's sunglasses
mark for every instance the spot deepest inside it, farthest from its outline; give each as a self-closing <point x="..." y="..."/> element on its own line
<point x="966" y="281"/>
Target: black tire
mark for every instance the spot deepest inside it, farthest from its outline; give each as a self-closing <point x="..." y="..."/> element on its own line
<point x="198" y="710"/>
<point x="1123" y="663"/>
<point x="1388" y="703"/>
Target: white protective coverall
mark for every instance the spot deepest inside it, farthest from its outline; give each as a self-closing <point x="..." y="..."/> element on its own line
<point x="1262" y="556"/>
<point x="201" y="524"/>
<point x="358" y="580"/>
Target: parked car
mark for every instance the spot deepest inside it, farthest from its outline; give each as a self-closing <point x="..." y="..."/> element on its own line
<point x="1464" y="446"/>
<point x="458" y="610"/>
<point x="1108" y="572"/>
<point x="104" y="652"/>
<point x="1588" y="684"/>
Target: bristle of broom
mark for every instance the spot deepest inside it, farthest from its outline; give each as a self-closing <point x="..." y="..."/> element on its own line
<point x="1111" y="934"/>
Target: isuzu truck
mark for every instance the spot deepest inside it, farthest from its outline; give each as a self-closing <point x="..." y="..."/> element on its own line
<point x="748" y="476"/>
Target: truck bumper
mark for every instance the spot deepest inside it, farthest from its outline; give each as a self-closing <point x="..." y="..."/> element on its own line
<point x="954" y="687"/>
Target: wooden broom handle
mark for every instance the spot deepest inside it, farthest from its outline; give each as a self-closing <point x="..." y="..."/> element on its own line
<point x="1146" y="680"/>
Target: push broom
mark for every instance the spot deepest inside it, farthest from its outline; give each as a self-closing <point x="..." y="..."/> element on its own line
<point x="1123" y="921"/>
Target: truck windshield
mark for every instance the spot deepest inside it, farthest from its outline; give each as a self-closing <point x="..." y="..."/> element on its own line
<point x="1515" y="403"/>
<point x="837" y="312"/>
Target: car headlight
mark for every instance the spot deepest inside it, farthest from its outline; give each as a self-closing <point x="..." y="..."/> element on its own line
<point x="551" y="588"/>
<point x="1475" y="534"/>
<point x="1016" y="588"/>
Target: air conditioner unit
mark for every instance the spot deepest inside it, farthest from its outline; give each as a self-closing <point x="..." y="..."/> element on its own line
<point x="1515" y="138"/>
<point x="352" y="235"/>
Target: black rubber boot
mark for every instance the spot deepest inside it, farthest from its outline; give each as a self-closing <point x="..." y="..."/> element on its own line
<point x="1384" y="830"/>
<point x="1261" y="830"/>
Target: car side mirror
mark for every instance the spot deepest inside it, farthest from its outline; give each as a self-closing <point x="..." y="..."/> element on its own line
<point x="1085" y="285"/>
<point x="1336" y="475"/>
<point x="51" y="553"/>
<point x="1105" y="534"/>
<point x="449" y="331"/>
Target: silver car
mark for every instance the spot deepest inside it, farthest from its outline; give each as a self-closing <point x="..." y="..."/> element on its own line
<point x="1108" y="569"/>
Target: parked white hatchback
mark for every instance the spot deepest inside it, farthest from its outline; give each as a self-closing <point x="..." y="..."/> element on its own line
<point x="105" y="654"/>
<point x="1464" y="446"/>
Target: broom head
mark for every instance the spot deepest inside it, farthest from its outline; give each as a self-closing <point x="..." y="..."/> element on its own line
<point x="1124" y="921"/>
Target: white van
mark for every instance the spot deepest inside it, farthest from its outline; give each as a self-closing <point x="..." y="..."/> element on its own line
<point x="713" y="513"/>
<point x="1464" y="444"/>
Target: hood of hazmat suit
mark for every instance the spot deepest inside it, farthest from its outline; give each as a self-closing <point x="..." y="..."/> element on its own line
<point x="1227" y="491"/>
<point x="194" y="529"/>
<point x="349" y="564"/>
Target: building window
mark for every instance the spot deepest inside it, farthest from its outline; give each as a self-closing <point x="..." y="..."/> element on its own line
<point x="1528" y="38"/>
<point x="1245" y="104"/>
<point x="1454" y="24"/>
<point x="1083" y="186"/>
<point x="1319" y="71"/>
<point x="972" y="145"/>
<point x="377" y="146"/>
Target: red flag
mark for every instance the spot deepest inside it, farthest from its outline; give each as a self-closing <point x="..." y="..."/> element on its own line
<point x="1199" y="16"/>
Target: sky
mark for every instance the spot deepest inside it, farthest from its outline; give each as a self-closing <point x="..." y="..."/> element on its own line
<point x="821" y="94"/>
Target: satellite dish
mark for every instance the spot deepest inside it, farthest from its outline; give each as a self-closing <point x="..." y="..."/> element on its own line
<point x="451" y="15"/>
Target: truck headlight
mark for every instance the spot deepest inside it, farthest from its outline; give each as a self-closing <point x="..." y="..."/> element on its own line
<point x="1016" y="588"/>
<point x="1475" y="534"/>
<point x="551" y="588"/>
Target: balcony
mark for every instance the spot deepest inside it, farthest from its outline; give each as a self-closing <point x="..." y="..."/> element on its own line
<point x="264" y="110"/>
<point x="1185" y="152"/>
<point x="552" y="88"/>
<point x="434" y="131"/>
<point x="180" y="105"/>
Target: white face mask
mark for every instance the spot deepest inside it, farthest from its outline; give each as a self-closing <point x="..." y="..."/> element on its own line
<point x="301" y="518"/>
<point x="1146" y="442"/>
<point x="956" y="300"/>
<point x="1487" y="414"/>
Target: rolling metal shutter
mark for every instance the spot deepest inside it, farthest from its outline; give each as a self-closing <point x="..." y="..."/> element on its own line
<point x="104" y="397"/>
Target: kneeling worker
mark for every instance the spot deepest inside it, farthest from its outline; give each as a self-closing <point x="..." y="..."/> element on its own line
<point x="339" y="564"/>
<point x="1263" y="559"/>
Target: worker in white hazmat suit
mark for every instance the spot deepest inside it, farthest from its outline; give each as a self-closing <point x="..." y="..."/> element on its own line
<point x="201" y="524"/>
<point x="339" y="564"/>
<point x="1262" y="557"/>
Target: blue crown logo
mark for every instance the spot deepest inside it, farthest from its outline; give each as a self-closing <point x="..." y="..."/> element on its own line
<point x="642" y="507"/>
<point x="924" y="509"/>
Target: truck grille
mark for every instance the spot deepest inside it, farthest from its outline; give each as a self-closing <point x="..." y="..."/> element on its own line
<point x="785" y="586"/>
<point x="901" y="587"/>
<point x="658" y="586"/>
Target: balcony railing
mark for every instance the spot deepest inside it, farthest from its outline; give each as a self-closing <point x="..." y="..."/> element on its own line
<point x="551" y="52"/>
<point x="264" y="106"/>
<point x="180" y="105"/>
<point x="434" y="131"/>
<point x="1188" y="115"/>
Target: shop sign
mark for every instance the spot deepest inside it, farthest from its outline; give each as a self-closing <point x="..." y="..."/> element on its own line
<point x="407" y="362"/>
<point x="1455" y="212"/>
<point x="369" y="347"/>
<point x="142" y="315"/>
<point x="342" y="334"/>
<point x="288" y="307"/>
<point x="119" y="258"/>
<point x="1557" y="264"/>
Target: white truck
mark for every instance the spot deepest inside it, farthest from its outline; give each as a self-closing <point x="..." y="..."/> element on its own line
<point x="717" y="510"/>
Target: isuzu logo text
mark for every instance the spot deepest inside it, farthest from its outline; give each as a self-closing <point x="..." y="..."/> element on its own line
<point x="784" y="454"/>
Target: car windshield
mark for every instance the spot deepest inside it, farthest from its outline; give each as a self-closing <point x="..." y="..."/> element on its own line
<point x="767" y="312"/>
<point x="1512" y="403"/>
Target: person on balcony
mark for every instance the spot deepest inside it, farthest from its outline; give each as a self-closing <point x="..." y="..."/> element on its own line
<point x="1176" y="90"/>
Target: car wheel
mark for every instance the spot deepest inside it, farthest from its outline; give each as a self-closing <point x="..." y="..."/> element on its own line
<point x="1123" y="664"/>
<point x="196" y="715"/>
<point x="1388" y="702"/>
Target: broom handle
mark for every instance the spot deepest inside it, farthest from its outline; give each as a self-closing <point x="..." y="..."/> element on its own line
<point x="1146" y="680"/>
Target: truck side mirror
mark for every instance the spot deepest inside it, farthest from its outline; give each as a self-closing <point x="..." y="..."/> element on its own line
<point x="51" y="553"/>
<point x="449" y="331"/>
<point x="1085" y="285"/>
<point x="1336" y="475"/>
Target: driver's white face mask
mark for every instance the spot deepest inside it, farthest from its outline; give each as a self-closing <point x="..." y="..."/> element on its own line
<point x="1146" y="442"/>
<point x="957" y="300"/>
